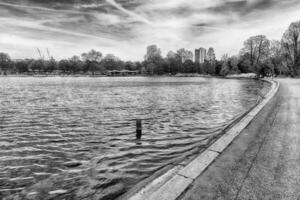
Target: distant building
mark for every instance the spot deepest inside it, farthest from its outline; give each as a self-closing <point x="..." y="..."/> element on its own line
<point x="200" y="55"/>
<point x="122" y="73"/>
<point x="197" y="56"/>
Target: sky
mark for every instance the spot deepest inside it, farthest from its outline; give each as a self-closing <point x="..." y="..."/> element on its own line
<point x="126" y="27"/>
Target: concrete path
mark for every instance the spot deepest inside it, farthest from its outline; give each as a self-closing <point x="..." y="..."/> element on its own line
<point x="263" y="162"/>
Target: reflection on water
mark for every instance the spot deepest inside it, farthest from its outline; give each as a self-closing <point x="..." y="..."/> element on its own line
<point x="76" y="136"/>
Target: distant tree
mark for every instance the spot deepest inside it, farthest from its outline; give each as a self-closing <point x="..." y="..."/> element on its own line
<point x="51" y="65"/>
<point x="138" y="66"/>
<point x="184" y="55"/>
<point x="153" y="52"/>
<point x="174" y="62"/>
<point x="265" y="69"/>
<point x="291" y="47"/>
<point x="121" y="64"/>
<point x="161" y="67"/>
<point x="96" y="67"/>
<point x="4" y="62"/>
<point x="230" y="66"/>
<point x="188" y="66"/>
<point x="171" y="55"/>
<point x="153" y="59"/>
<point x="22" y="66"/>
<point x="210" y="63"/>
<point x="218" y="67"/>
<point x="76" y="64"/>
<point x="150" y="67"/>
<point x="37" y="65"/>
<point x="143" y="68"/>
<point x="111" y="57"/>
<point x="211" y="56"/>
<point x="221" y="67"/>
<point x="224" y="57"/>
<point x="277" y="58"/>
<point x="130" y="65"/>
<point x="110" y="62"/>
<point x="92" y="60"/>
<point x="258" y="49"/>
<point x="244" y="64"/>
<point x="92" y="56"/>
<point x="64" y="65"/>
<point x="211" y="68"/>
<point x="275" y="48"/>
<point x="205" y="67"/>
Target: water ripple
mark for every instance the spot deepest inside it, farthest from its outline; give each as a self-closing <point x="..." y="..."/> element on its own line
<point x="72" y="138"/>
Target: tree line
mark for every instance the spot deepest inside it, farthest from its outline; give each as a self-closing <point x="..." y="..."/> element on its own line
<point x="262" y="56"/>
<point x="259" y="55"/>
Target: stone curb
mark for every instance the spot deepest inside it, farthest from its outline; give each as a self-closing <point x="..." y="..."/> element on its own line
<point x="174" y="182"/>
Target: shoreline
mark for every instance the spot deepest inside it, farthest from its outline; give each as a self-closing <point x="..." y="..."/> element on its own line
<point x="236" y="76"/>
<point x="171" y="181"/>
<point x="141" y="75"/>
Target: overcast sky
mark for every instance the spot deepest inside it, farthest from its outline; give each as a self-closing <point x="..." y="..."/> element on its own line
<point x="126" y="27"/>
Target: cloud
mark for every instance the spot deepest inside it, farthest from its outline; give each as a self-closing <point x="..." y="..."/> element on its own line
<point x="126" y="27"/>
<point x="21" y="6"/>
<point x="128" y="12"/>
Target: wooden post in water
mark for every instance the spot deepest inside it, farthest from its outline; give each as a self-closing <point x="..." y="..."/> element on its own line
<point x="138" y="129"/>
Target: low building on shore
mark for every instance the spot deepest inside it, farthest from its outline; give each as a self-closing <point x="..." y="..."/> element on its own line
<point x="122" y="73"/>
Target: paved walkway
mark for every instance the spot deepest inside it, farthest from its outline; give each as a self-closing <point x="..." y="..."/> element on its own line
<point x="264" y="161"/>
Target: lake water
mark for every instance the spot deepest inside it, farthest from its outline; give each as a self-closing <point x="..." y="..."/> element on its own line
<point x="75" y="137"/>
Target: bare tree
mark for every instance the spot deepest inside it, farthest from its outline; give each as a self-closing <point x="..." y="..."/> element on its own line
<point x="257" y="47"/>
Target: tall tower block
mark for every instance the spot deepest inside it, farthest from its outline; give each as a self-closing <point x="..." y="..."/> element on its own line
<point x="202" y="55"/>
<point x="197" y="56"/>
